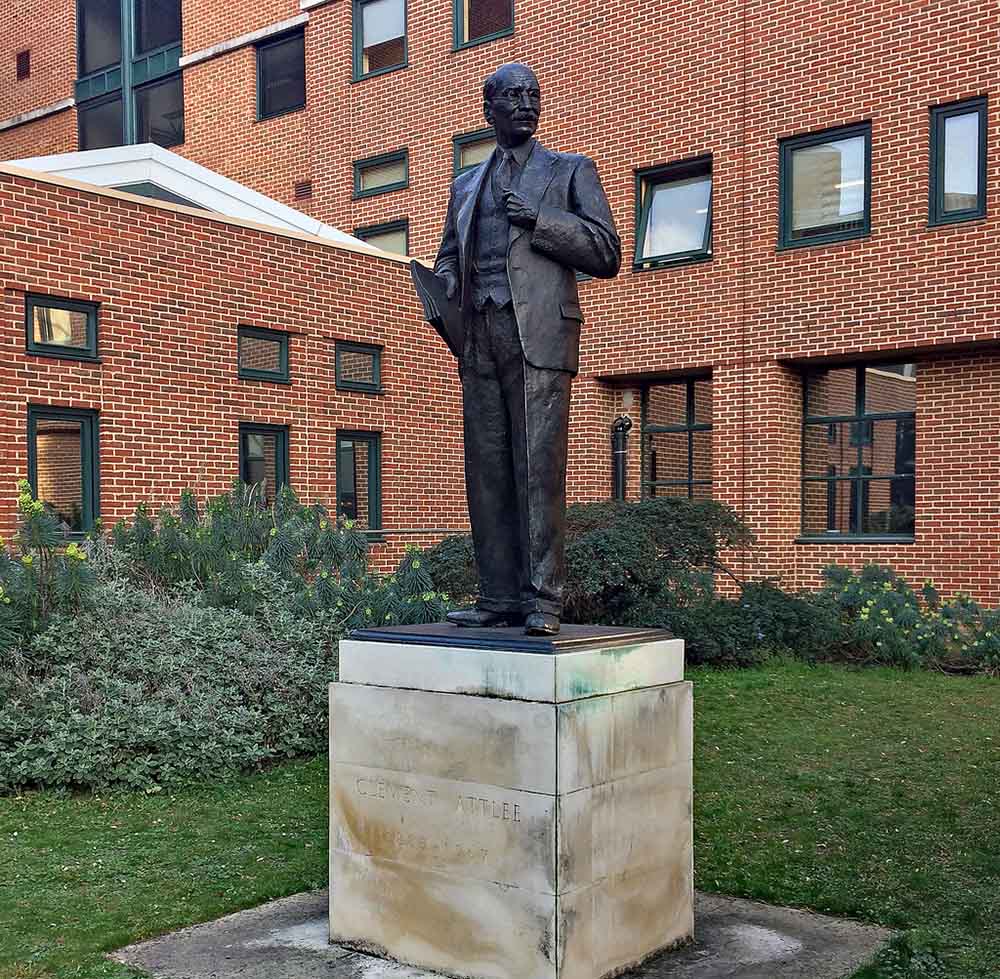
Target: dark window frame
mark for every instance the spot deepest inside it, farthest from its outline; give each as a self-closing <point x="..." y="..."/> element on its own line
<point x="280" y="376"/>
<point x="689" y="427"/>
<point x="145" y="86"/>
<point x="786" y="148"/>
<point x="401" y="224"/>
<point x="374" y="531"/>
<point x="350" y="346"/>
<point x="665" y="174"/>
<point x="358" y="73"/>
<point x="90" y="468"/>
<point x="940" y="114"/>
<point x="96" y="103"/>
<point x="132" y="72"/>
<point x="265" y="45"/>
<point x="58" y="351"/>
<point x="282" y="462"/>
<point x="458" y="27"/>
<point x="464" y="139"/>
<point x="860" y="481"/>
<point x="397" y="156"/>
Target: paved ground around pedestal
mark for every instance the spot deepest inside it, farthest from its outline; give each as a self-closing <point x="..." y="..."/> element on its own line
<point x="287" y="939"/>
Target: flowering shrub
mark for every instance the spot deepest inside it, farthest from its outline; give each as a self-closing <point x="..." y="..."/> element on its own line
<point x="891" y="623"/>
<point x="40" y="574"/>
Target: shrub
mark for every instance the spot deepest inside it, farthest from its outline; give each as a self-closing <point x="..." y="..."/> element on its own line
<point x="888" y="622"/>
<point x="617" y="554"/>
<point x="44" y="576"/>
<point x="140" y="689"/>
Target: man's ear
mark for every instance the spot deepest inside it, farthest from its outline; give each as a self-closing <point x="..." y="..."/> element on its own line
<point x="488" y="112"/>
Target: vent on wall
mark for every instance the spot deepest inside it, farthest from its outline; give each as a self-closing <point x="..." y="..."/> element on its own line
<point x="23" y="65"/>
<point x="303" y="190"/>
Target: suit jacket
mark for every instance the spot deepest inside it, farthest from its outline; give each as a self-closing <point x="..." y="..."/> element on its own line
<point x="575" y="232"/>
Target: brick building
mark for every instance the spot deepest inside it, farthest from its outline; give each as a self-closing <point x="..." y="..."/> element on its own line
<point x="806" y="323"/>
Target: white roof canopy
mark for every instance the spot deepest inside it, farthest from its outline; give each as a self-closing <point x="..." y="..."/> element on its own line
<point x="128" y="167"/>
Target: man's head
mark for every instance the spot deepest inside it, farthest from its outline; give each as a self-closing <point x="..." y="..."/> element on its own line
<point x="512" y="103"/>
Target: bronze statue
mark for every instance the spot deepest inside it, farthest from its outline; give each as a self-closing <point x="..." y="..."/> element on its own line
<point x="519" y="227"/>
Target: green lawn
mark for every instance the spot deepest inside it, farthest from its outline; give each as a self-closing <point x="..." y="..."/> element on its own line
<point x="868" y="794"/>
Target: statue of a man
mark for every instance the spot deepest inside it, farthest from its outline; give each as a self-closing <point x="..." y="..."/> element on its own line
<point x="519" y="228"/>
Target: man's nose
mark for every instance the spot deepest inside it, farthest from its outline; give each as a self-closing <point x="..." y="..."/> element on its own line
<point x="524" y="101"/>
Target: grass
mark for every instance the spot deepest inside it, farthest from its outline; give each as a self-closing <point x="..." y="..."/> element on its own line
<point x="870" y="794"/>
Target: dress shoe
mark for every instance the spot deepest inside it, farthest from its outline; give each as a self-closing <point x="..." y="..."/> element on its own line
<point x="478" y="618"/>
<point x="541" y="624"/>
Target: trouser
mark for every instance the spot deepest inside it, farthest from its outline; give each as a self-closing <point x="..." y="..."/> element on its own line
<point x="516" y="422"/>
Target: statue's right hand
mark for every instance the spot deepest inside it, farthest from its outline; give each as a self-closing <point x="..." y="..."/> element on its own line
<point x="450" y="282"/>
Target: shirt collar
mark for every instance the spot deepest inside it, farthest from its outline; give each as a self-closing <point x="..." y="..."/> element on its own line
<point x="520" y="153"/>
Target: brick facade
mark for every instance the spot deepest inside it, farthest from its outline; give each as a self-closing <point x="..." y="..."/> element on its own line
<point x="636" y="86"/>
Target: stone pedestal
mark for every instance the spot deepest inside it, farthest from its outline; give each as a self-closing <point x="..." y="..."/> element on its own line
<point x="511" y="808"/>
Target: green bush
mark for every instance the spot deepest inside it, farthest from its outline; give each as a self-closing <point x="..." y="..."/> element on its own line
<point x="617" y="554"/>
<point x="142" y="688"/>
<point x="44" y="576"/>
<point x="888" y="622"/>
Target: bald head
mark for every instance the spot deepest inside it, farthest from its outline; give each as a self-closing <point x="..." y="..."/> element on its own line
<point x="512" y="103"/>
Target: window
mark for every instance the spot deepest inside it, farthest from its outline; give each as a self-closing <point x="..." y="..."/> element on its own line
<point x="263" y="354"/>
<point x="159" y="112"/>
<point x="858" y="452"/>
<point x="281" y="75"/>
<point x="673" y="213"/>
<point x="958" y="162"/>
<point x="379" y="36"/>
<point x="825" y="183"/>
<point x="677" y="439"/>
<point x="129" y="87"/>
<point x="472" y="149"/>
<point x="264" y="458"/>
<point x="391" y="237"/>
<point x="477" y="21"/>
<point x="101" y="123"/>
<point x="359" y="478"/>
<point x="60" y="327"/>
<point x="63" y="466"/>
<point x="359" y="367"/>
<point x="381" y="174"/>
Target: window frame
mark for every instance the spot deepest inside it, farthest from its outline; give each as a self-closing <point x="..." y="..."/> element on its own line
<point x="374" y="531"/>
<point x="282" y="462"/>
<point x="396" y="156"/>
<point x="281" y="337"/>
<point x="358" y="74"/>
<point x="131" y="72"/>
<point x="786" y="148"/>
<point x="272" y="42"/>
<point x="34" y="300"/>
<point x="458" y="27"/>
<point x="401" y="224"/>
<point x="689" y="427"/>
<point x="464" y="139"/>
<point x="670" y="173"/>
<point x="351" y="346"/>
<point x="939" y="116"/>
<point x="859" y="481"/>
<point x="90" y="468"/>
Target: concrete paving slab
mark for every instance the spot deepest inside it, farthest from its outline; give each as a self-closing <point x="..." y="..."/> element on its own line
<point x="287" y="939"/>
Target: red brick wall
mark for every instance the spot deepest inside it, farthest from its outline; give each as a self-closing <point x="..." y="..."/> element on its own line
<point x="173" y="290"/>
<point x="639" y="85"/>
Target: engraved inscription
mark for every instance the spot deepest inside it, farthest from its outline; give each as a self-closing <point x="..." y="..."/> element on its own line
<point x="386" y="840"/>
<point x="471" y="805"/>
<point x="380" y="788"/>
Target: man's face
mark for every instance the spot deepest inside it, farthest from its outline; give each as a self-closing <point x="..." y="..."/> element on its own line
<point x="514" y="107"/>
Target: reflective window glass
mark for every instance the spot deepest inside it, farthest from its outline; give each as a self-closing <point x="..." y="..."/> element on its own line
<point x="383" y="35"/>
<point x="99" y="30"/>
<point x="159" y="111"/>
<point x="484" y="18"/>
<point x="281" y="75"/>
<point x="157" y="24"/>
<point x="101" y="124"/>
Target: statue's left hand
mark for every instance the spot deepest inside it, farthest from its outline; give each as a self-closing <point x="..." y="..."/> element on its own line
<point x="519" y="211"/>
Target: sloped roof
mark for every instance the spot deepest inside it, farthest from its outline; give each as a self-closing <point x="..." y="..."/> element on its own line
<point x="151" y="171"/>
